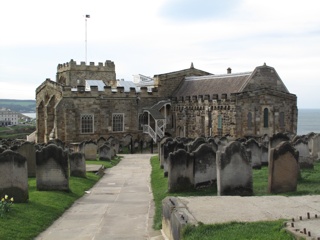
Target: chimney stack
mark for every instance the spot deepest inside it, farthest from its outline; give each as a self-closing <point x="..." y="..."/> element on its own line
<point x="229" y="70"/>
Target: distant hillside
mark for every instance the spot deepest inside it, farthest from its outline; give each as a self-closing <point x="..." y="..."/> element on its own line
<point x="21" y="106"/>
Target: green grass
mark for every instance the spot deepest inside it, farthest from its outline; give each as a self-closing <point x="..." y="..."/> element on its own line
<point x="308" y="184"/>
<point x="235" y="230"/>
<point x="27" y="220"/>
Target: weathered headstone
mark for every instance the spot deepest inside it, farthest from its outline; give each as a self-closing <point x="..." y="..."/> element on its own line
<point x="161" y="150"/>
<point x="90" y="150"/>
<point x="205" y="171"/>
<point x="315" y="146"/>
<point x="180" y="171"/>
<point x="101" y="141"/>
<point x="305" y="159"/>
<point x="52" y="168"/>
<point x="195" y="144"/>
<point x="105" y="153"/>
<point x="283" y="168"/>
<point x="169" y="147"/>
<point x="13" y="176"/>
<point x="234" y="171"/>
<point x="256" y="153"/>
<point x="28" y="150"/>
<point x="77" y="165"/>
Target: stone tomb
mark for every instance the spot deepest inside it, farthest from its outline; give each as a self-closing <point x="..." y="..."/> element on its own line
<point x="77" y="165"/>
<point x="234" y="170"/>
<point x="52" y="168"/>
<point x="13" y="176"/>
<point x="205" y="171"/>
<point x="283" y="168"/>
<point x="180" y="171"/>
<point x="28" y="150"/>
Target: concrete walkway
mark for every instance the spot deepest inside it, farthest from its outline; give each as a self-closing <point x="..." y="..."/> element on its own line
<point x="119" y="206"/>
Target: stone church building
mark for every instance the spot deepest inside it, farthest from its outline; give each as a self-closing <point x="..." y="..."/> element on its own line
<point x="85" y="103"/>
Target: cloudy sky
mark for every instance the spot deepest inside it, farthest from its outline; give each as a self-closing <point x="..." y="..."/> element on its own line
<point x="153" y="37"/>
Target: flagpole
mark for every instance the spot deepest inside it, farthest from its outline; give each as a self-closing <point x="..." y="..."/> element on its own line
<point x="86" y="41"/>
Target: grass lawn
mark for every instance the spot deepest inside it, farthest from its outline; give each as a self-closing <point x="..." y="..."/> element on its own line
<point x="27" y="220"/>
<point x="308" y="184"/>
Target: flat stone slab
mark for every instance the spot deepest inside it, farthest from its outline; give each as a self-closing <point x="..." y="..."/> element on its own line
<point x="222" y="209"/>
<point x="93" y="167"/>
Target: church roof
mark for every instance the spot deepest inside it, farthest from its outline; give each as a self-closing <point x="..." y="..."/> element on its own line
<point x="213" y="84"/>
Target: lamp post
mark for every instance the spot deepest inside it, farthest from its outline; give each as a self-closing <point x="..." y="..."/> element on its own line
<point x="86" y="16"/>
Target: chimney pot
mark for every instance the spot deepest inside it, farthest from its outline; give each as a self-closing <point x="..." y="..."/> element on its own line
<point x="229" y="70"/>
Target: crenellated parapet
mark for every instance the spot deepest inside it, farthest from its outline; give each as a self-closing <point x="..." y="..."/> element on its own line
<point x="71" y="73"/>
<point x="108" y="92"/>
<point x="73" y="66"/>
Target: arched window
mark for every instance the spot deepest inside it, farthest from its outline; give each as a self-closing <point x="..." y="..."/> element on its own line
<point x="249" y="119"/>
<point x="266" y="117"/>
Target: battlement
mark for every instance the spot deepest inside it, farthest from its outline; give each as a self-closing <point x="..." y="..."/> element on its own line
<point x="73" y="66"/>
<point x="108" y="91"/>
<point x="206" y="98"/>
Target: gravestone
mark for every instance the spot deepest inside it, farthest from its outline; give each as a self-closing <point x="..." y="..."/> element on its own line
<point x="315" y="146"/>
<point x="115" y="144"/>
<point x="101" y="141"/>
<point x="90" y="150"/>
<point x="52" y="169"/>
<point x="275" y="140"/>
<point x="126" y="140"/>
<point x="180" y="171"/>
<point x="195" y="144"/>
<point x="13" y="176"/>
<point x="283" y="168"/>
<point x="28" y="150"/>
<point x="105" y="153"/>
<point x="169" y="147"/>
<point x="234" y="171"/>
<point x="162" y="155"/>
<point x="57" y="142"/>
<point x="256" y="153"/>
<point x="205" y="171"/>
<point x="77" y="165"/>
<point x="305" y="159"/>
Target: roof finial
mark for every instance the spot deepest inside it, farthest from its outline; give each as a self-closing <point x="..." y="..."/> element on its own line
<point x="191" y="65"/>
<point x="264" y="64"/>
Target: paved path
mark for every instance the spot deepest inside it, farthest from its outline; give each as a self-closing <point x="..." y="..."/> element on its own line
<point x="119" y="206"/>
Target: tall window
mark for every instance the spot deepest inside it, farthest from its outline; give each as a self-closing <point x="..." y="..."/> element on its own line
<point x="87" y="123"/>
<point x="219" y="125"/>
<point x="117" y="122"/>
<point x="249" y="120"/>
<point x="143" y="119"/>
<point x="266" y="117"/>
<point x="281" y="119"/>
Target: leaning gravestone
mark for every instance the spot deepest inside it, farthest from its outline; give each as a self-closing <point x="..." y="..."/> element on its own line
<point x="205" y="171"/>
<point x="13" y="176"/>
<point x="105" y="153"/>
<point x="90" y="150"/>
<point x="28" y="150"/>
<point x="234" y="171"/>
<point x="180" y="171"/>
<point x="101" y="141"/>
<point x="77" y="165"/>
<point x="52" y="169"/>
<point x="283" y="168"/>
